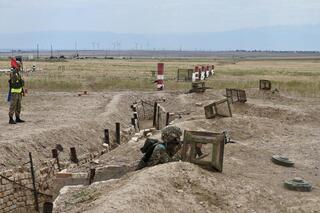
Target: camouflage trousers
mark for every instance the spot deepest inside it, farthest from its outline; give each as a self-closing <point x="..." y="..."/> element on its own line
<point x="15" y="104"/>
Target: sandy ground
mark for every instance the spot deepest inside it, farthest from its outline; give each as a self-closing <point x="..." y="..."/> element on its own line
<point x="267" y="124"/>
<point x="61" y="118"/>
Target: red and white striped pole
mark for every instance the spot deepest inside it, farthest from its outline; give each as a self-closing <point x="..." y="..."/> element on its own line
<point x="160" y="76"/>
<point x="208" y="72"/>
<point x="203" y="73"/>
<point x="199" y="73"/>
<point x="212" y="70"/>
<point x="195" y="74"/>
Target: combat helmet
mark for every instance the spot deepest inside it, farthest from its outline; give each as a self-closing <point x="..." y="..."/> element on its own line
<point x="170" y="134"/>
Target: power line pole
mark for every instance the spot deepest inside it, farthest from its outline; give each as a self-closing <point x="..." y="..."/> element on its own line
<point x="37" y="51"/>
<point x="51" y="52"/>
<point x="76" y="48"/>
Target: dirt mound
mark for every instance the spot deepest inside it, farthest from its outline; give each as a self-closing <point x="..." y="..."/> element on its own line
<point x="176" y="187"/>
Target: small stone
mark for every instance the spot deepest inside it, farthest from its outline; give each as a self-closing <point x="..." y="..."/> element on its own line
<point x="201" y="203"/>
<point x="238" y="205"/>
<point x="199" y="104"/>
<point x="180" y="191"/>
<point x="105" y="145"/>
<point x="135" y="139"/>
<point x="96" y="161"/>
<point x="149" y="135"/>
<point x="138" y="135"/>
<point x="127" y="130"/>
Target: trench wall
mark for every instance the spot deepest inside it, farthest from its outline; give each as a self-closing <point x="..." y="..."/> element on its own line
<point x="16" y="188"/>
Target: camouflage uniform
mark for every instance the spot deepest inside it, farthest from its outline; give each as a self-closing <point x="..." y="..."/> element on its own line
<point x="160" y="155"/>
<point x="16" y="88"/>
<point x="170" y="133"/>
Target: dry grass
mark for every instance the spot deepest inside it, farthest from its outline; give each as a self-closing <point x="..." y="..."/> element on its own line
<point x="295" y="76"/>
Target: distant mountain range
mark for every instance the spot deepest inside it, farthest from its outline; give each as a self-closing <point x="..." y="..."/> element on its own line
<point x="289" y="38"/>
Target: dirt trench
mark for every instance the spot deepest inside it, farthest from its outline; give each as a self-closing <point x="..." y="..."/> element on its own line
<point x="64" y="119"/>
<point x="250" y="182"/>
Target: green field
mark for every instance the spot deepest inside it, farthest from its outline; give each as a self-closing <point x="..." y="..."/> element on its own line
<point x="299" y="76"/>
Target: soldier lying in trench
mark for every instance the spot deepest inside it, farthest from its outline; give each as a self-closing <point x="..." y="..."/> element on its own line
<point x="168" y="149"/>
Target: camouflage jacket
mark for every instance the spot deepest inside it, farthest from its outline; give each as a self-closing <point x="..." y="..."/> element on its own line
<point x="16" y="80"/>
<point x="160" y="156"/>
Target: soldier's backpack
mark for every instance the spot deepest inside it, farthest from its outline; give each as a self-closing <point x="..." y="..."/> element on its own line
<point x="147" y="150"/>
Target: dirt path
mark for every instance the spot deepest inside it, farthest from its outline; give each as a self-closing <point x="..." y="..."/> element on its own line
<point x="59" y="118"/>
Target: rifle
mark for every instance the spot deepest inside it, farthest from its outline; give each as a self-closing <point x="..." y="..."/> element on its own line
<point x="9" y="92"/>
<point x="9" y="95"/>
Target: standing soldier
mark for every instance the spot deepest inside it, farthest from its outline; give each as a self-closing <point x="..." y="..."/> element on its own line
<point x="16" y="84"/>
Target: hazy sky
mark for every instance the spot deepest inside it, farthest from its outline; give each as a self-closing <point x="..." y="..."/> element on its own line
<point x="154" y="16"/>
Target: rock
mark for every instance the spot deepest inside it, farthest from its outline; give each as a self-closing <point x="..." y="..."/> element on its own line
<point x="199" y="104"/>
<point x="180" y="191"/>
<point x="131" y="141"/>
<point x="135" y="139"/>
<point x="139" y="134"/>
<point x="128" y="130"/>
<point x="105" y="145"/>
<point x="96" y="161"/>
<point x="145" y="132"/>
<point x="149" y="135"/>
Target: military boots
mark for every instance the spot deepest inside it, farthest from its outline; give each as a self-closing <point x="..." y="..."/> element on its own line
<point x="18" y="120"/>
<point x="11" y="121"/>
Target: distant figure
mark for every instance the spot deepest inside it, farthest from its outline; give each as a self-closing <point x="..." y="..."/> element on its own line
<point x="212" y="70"/>
<point x="160" y="85"/>
<point x="164" y="150"/>
<point x="16" y="84"/>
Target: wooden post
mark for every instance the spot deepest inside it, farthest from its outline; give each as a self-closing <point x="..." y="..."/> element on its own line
<point x="167" y="118"/>
<point x="135" y="115"/>
<point x="55" y="155"/>
<point x="92" y="174"/>
<point x="158" y="118"/>
<point x="229" y="107"/>
<point x="155" y="107"/>
<point x="118" y="133"/>
<point x="35" y="193"/>
<point x="73" y="155"/>
<point x="133" y="122"/>
<point x="106" y="136"/>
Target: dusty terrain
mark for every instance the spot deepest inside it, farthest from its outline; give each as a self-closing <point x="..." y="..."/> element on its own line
<point x="268" y="124"/>
<point x="281" y="123"/>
